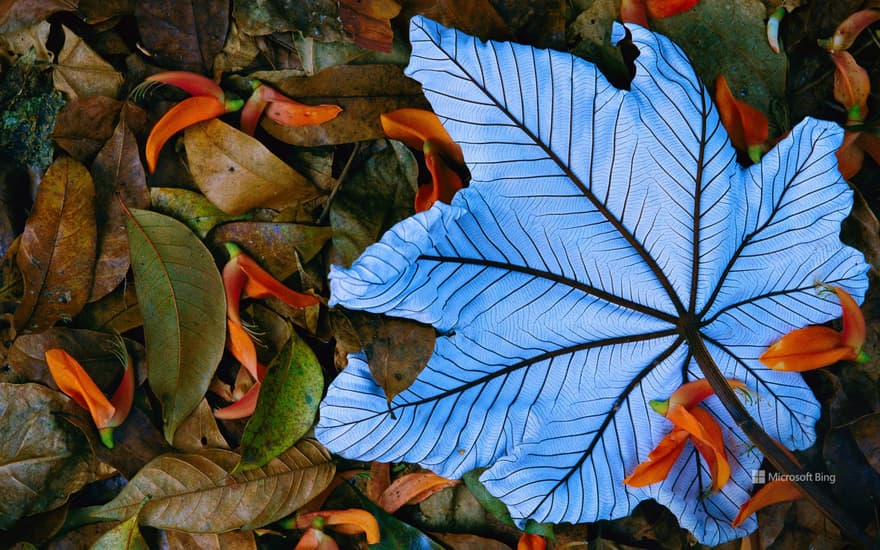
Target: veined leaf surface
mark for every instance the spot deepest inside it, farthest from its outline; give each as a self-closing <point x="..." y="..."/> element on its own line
<point x="182" y="302"/>
<point x="603" y="231"/>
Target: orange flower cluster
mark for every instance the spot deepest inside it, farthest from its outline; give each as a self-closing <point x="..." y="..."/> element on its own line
<point x="243" y="275"/>
<point x="423" y="131"/>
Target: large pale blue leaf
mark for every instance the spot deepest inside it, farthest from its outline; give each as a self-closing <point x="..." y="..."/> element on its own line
<point x="600" y="225"/>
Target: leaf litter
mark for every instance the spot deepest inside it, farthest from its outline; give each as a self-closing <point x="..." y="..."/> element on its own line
<point x="299" y="200"/>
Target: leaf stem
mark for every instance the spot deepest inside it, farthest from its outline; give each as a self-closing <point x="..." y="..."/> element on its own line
<point x="768" y="446"/>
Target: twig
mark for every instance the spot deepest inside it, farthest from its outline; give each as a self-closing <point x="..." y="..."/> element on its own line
<point x="338" y="184"/>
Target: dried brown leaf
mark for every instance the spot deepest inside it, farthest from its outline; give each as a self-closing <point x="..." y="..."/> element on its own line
<point x="866" y="432"/>
<point x="42" y="458"/>
<point x="115" y="312"/>
<point x="80" y="72"/>
<point x="18" y="14"/>
<point x="17" y="43"/>
<point x="119" y="176"/>
<point x="183" y="35"/>
<point x="233" y="540"/>
<point x="237" y="173"/>
<point x="363" y="91"/>
<point x="83" y="126"/>
<point x="199" y="431"/>
<point x="369" y="22"/>
<point x="476" y="17"/>
<point x="57" y="253"/>
<point x="195" y="492"/>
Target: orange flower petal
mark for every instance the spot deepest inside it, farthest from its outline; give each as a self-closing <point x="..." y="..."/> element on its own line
<point x="412" y="489"/>
<point x="186" y="113"/>
<point x="851" y="155"/>
<point x="529" y="541"/>
<point x="349" y="521"/>
<point x="658" y="9"/>
<point x="854" y="330"/>
<point x="414" y="127"/>
<point x="660" y="460"/>
<point x="445" y="182"/>
<point x="634" y="11"/>
<point x="193" y="83"/>
<point x="746" y="126"/>
<point x="123" y="397"/>
<point x="690" y="394"/>
<point x="251" y="113"/>
<point x="242" y="347"/>
<point x="261" y="284"/>
<point x="851" y="86"/>
<point x="805" y="349"/>
<point x="778" y="490"/>
<point x="720" y="468"/>
<point x="292" y="113"/>
<point x="849" y="29"/>
<point x="242" y="408"/>
<point x="704" y="429"/>
<point x="74" y="381"/>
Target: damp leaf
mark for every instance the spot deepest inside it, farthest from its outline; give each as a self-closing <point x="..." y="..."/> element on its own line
<point x="606" y="237"/>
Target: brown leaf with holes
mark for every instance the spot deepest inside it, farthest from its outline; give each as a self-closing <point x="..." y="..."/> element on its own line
<point x="397" y="349"/>
<point x="119" y="176"/>
<point x="57" y="253"/>
<point x="199" y="431"/>
<point x="369" y="22"/>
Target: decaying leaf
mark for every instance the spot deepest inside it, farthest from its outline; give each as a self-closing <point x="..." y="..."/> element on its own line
<point x="363" y="91"/>
<point x="43" y="459"/>
<point x="115" y="312"/>
<point x="190" y="207"/>
<point x="84" y="125"/>
<point x="608" y="250"/>
<point x="80" y="72"/>
<point x="313" y="18"/>
<point x="237" y="173"/>
<point x="17" y="43"/>
<point x="57" y="252"/>
<point x="182" y="301"/>
<point x="272" y="244"/>
<point x="369" y="22"/>
<point x="125" y="536"/>
<point x="378" y="194"/>
<point x="184" y="35"/>
<point x="196" y="492"/>
<point x="396" y="349"/>
<point x="233" y="540"/>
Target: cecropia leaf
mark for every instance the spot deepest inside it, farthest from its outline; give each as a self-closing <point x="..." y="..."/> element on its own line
<point x="602" y="231"/>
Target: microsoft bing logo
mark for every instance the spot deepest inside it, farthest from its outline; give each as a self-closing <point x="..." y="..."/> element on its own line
<point x="760" y="477"/>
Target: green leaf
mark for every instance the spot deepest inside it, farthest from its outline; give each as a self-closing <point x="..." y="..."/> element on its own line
<point x="197" y="492"/>
<point x="394" y="533"/>
<point x="125" y="536"/>
<point x="287" y="406"/>
<point x="182" y="301"/>
<point x="490" y="503"/>
<point x="193" y="209"/>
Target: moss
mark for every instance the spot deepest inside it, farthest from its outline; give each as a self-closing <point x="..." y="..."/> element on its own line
<point x="29" y="104"/>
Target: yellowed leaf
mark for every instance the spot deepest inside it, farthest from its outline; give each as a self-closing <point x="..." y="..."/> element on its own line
<point x="237" y="173"/>
<point x="20" y="42"/>
<point x="81" y="72"/>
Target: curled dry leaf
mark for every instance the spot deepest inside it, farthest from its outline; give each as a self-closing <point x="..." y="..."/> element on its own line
<point x="197" y="492"/>
<point x="412" y="489"/>
<point x="237" y="173"/>
<point x="57" y="252"/>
